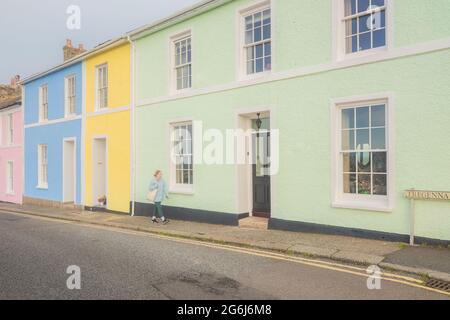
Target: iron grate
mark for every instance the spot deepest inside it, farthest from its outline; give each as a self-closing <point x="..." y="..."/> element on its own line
<point x="439" y="285"/>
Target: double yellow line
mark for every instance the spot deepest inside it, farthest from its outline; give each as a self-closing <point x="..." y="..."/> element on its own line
<point x="349" y="269"/>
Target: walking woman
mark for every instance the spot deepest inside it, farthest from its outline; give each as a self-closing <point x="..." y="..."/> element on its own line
<point x="159" y="185"/>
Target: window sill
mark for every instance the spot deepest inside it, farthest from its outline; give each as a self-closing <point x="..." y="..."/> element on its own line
<point x="366" y="54"/>
<point x="179" y="92"/>
<point x="255" y="76"/>
<point x="10" y="193"/>
<point x="363" y="205"/>
<point x="181" y="190"/>
<point x="42" y="187"/>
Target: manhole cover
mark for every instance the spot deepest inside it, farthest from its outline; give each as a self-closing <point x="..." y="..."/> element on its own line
<point x="439" y="285"/>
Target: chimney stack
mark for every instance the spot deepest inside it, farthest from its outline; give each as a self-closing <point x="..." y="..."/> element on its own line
<point x="15" y="81"/>
<point x="70" y="51"/>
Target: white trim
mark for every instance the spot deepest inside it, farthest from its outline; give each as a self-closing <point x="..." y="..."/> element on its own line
<point x="11" y="146"/>
<point x="51" y="122"/>
<point x="241" y="113"/>
<point x="74" y="140"/>
<point x="370" y="203"/>
<point x="173" y="186"/>
<point x="97" y="107"/>
<point x="67" y="114"/>
<point x="41" y="118"/>
<point x="338" y="34"/>
<point x="10" y="177"/>
<point x="132" y="129"/>
<point x="392" y="54"/>
<point x="93" y="159"/>
<point x="178" y="36"/>
<point x="41" y="184"/>
<point x="241" y="65"/>
<point x="109" y="110"/>
<point x="83" y="134"/>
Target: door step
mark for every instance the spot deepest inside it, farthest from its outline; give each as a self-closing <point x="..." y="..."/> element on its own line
<point x="254" y="223"/>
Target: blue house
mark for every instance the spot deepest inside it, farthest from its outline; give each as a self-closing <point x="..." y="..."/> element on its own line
<point x="53" y="136"/>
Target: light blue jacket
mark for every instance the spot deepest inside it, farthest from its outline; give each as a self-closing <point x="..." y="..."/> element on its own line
<point x="161" y="187"/>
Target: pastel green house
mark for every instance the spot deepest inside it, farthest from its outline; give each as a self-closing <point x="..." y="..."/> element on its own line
<point x="348" y="99"/>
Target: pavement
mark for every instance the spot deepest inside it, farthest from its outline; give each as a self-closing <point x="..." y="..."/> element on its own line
<point x="38" y="256"/>
<point x="431" y="262"/>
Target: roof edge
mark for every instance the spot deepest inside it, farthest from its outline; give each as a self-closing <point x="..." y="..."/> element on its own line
<point x="107" y="45"/>
<point x="177" y="17"/>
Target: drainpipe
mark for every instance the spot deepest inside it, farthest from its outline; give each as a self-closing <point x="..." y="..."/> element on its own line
<point x="132" y="130"/>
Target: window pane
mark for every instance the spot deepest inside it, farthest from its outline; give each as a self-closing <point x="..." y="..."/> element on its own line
<point x="266" y="17"/>
<point x="348" y="140"/>
<point x="363" y="5"/>
<point x="380" y="184"/>
<point x="350" y="7"/>
<point x="362" y="117"/>
<point x="249" y="23"/>
<point x="259" y="65"/>
<point x="378" y="3"/>
<point x="248" y="37"/>
<point x="257" y="34"/>
<point x="349" y="162"/>
<point x="379" y="138"/>
<point x="365" y="23"/>
<point x="364" y="184"/>
<point x="365" y="41"/>
<point x="266" y="32"/>
<point x="257" y="20"/>
<point x="363" y="159"/>
<point x="351" y="27"/>
<point x="351" y="44"/>
<point x="379" y="162"/>
<point x="378" y="116"/>
<point x="267" y="49"/>
<point x="259" y="51"/>
<point x="362" y="139"/>
<point x="267" y="63"/>
<point x="350" y="183"/>
<point x="379" y="38"/>
<point x="250" y="53"/>
<point x="250" y="67"/>
<point x="348" y="118"/>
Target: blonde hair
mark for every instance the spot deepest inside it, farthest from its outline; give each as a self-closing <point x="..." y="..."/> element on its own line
<point x="157" y="172"/>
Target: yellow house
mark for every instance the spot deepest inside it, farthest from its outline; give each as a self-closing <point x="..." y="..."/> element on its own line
<point x="107" y="128"/>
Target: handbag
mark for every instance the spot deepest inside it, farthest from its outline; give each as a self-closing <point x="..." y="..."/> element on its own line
<point x="151" y="196"/>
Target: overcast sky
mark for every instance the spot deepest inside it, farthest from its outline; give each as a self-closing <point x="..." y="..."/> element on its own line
<point x="33" y="32"/>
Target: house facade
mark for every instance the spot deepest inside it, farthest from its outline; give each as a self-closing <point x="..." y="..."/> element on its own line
<point x="107" y="128"/>
<point x="53" y="139"/>
<point x="343" y="104"/>
<point x="11" y="150"/>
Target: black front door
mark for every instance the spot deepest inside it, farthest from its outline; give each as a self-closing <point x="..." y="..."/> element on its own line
<point x="261" y="174"/>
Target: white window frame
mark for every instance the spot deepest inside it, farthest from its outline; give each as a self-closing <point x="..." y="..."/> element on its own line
<point x="10" y="177"/>
<point x="10" y="127"/>
<point x="338" y="31"/>
<point x="43" y="103"/>
<point x="99" y="105"/>
<point x="357" y="201"/>
<point x="174" y="39"/>
<point x="241" y="53"/>
<point x="70" y="97"/>
<point x="175" y="187"/>
<point x="42" y="171"/>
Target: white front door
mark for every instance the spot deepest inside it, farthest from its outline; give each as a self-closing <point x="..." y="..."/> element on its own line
<point x="99" y="170"/>
<point x="69" y="171"/>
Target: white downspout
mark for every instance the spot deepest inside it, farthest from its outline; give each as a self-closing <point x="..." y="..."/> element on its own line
<point x="132" y="130"/>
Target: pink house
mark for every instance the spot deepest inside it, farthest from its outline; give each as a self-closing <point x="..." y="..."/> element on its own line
<point x="11" y="153"/>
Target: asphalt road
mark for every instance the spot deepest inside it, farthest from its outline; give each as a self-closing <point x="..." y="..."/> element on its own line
<point x="35" y="255"/>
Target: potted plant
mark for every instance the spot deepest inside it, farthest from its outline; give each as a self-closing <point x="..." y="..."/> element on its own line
<point x="102" y="200"/>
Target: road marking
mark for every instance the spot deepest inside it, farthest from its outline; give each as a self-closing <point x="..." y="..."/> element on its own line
<point x="358" y="271"/>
